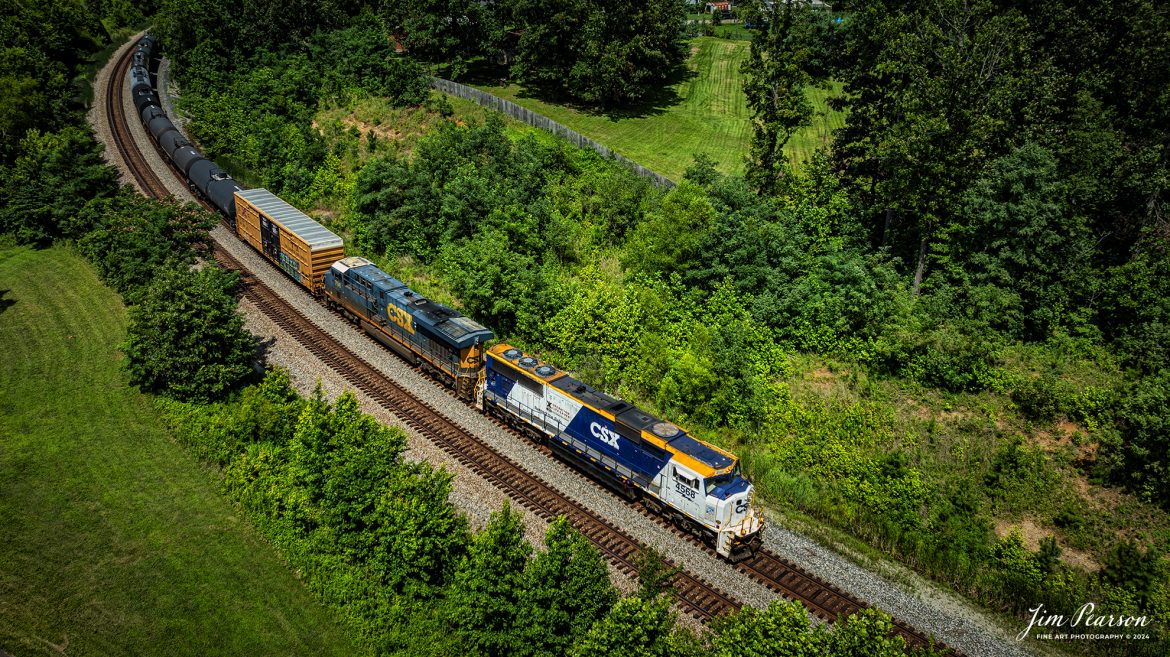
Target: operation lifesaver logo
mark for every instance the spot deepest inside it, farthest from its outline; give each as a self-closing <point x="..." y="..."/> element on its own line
<point x="1084" y="624"/>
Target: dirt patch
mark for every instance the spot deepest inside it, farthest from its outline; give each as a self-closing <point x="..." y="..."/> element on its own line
<point x="1032" y="533"/>
<point x="383" y="132"/>
<point x="1080" y="560"/>
<point x="824" y="382"/>
<point x="1030" y="530"/>
<point x="1098" y="497"/>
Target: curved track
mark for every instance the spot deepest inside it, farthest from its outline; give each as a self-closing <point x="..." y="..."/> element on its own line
<point x="146" y="178"/>
<point x="698" y="598"/>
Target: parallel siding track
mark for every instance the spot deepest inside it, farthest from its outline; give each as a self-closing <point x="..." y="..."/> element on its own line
<point x="700" y="599"/>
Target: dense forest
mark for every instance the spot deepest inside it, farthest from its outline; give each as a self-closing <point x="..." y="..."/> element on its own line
<point x="954" y="318"/>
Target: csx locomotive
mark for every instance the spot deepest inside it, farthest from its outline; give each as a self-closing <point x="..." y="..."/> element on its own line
<point x="695" y="484"/>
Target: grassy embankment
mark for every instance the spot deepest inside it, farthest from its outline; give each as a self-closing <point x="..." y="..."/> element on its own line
<point x="116" y="541"/>
<point x="704" y="113"/>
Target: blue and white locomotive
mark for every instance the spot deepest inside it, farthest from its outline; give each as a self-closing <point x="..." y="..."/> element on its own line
<point x="694" y="483"/>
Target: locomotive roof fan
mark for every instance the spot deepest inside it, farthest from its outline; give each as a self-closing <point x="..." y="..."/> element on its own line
<point x="528" y="362"/>
<point x="665" y="430"/>
<point x="512" y="354"/>
<point x="546" y="370"/>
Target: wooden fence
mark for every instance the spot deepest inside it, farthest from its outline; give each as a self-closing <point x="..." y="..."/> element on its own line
<point x="544" y="123"/>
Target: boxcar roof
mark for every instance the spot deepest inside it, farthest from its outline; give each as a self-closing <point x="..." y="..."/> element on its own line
<point x="292" y="219"/>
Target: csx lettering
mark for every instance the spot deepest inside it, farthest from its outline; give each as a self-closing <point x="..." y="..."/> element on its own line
<point x="741" y="505"/>
<point x="401" y="318"/>
<point x="604" y="434"/>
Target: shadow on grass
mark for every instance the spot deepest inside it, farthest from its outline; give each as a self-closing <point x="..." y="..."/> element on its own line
<point x="657" y="100"/>
<point x="6" y="303"/>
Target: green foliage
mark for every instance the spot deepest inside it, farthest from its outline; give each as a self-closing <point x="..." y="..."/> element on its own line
<point x="669" y="240"/>
<point x="781" y="629"/>
<point x="1144" y="419"/>
<point x="361" y="60"/>
<point x="601" y="52"/>
<point x="458" y="178"/>
<point x="1136" y="309"/>
<point x="490" y="586"/>
<point x="1017" y="466"/>
<point x="131" y="239"/>
<point x="869" y="632"/>
<point x="1129" y="567"/>
<point x="186" y="337"/>
<point x="775" y="78"/>
<point x="450" y="32"/>
<point x="45" y="46"/>
<point x="264" y="413"/>
<point x="254" y="110"/>
<point x="635" y="626"/>
<point x="1021" y="261"/>
<point x="567" y="590"/>
<point x="54" y="176"/>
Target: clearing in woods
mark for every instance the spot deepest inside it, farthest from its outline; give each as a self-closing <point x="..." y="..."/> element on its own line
<point x="116" y="541"/>
<point x="704" y="113"/>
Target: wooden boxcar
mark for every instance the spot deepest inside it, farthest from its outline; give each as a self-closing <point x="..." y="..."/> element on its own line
<point x="288" y="237"/>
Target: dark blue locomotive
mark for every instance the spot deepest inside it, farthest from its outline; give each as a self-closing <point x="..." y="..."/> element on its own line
<point x="441" y="340"/>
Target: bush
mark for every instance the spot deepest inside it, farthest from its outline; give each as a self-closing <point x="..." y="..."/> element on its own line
<point x="186" y="337"/>
<point x="1044" y="398"/>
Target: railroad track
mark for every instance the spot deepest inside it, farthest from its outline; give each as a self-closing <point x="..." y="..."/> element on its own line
<point x="698" y="598"/>
<point x="147" y="179"/>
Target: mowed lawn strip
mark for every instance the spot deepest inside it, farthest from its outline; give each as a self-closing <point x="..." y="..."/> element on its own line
<point x="708" y="114"/>
<point x="115" y="540"/>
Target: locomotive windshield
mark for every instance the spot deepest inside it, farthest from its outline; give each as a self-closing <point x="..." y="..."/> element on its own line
<point x="723" y="479"/>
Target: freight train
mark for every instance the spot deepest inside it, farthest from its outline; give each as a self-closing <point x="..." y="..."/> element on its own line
<point x="693" y="483"/>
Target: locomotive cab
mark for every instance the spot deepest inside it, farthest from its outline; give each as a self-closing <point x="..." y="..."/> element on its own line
<point x="722" y="502"/>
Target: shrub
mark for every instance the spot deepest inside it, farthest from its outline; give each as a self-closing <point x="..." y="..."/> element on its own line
<point x="186" y="338"/>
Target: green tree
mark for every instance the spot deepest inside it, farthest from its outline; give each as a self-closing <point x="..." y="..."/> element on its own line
<point x="868" y="633"/>
<point x="933" y="92"/>
<point x="781" y="629"/>
<point x="603" y="52"/>
<point x="634" y="626"/>
<point x="774" y="85"/>
<point x="55" y="174"/>
<point x="567" y="591"/>
<point x="415" y="535"/>
<point x="1129" y="567"/>
<point x="488" y="590"/>
<point x="1023" y="257"/>
<point x="186" y="338"/>
<point x="671" y="237"/>
<point x="449" y="32"/>
<point x="130" y="239"/>
<point x="1144" y="419"/>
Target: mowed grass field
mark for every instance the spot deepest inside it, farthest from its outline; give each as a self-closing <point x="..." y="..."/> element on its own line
<point x="114" y="540"/>
<point x="704" y="113"/>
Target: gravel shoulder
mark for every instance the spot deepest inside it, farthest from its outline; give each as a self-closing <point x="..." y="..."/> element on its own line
<point x="952" y="619"/>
